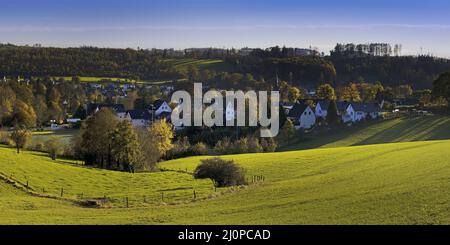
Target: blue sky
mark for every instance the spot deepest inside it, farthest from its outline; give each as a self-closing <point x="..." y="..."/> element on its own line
<point x="421" y="26"/>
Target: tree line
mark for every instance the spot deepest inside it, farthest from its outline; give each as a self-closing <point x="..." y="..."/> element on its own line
<point x="311" y="70"/>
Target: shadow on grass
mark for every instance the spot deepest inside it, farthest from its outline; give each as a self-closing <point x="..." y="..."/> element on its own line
<point x="378" y="132"/>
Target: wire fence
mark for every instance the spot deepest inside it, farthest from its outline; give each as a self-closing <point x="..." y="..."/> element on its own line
<point x="125" y="200"/>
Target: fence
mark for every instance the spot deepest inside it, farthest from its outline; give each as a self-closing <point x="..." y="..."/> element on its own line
<point x="125" y="201"/>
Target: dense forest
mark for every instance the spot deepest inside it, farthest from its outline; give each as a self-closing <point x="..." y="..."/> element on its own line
<point x="84" y="61"/>
<point x="419" y="72"/>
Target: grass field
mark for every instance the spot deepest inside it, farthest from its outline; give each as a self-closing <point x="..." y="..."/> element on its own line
<point x="403" y="183"/>
<point x="384" y="183"/>
<point x="389" y="131"/>
<point x="183" y="64"/>
<point x="48" y="177"/>
<point x="65" y="136"/>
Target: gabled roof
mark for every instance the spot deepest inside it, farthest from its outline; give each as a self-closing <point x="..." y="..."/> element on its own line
<point x="140" y="114"/>
<point x="158" y="103"/>
<point x="297" y="110"/>
<point x="324" y="104"/>
<point x="93" y="107"/>
<point x="342" y="105"/>
<point x="366" y="107"/>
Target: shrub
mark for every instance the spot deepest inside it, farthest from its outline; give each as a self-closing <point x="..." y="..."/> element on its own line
<point x="223" y="173"/>
<point x="223" y="146"/>
<point x="5" y="138"/>
<point x="254" y="146"/>
<point x="38" y="145"/>
<point x="53" y="147"/>
<point x="199" y="149"/>
<point x="269" y="145"/>
<point x="240" y="146"/>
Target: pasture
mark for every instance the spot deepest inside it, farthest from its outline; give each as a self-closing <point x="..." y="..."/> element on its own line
<point x="395" y="183"/>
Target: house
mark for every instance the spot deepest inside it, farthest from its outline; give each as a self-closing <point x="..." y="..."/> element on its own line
<point x="73" y="120"/>
<point x="346" y="111"/>
<point x="321" y="109"/>
<point x="160" y="107"/>
<point x="167" y="89"/>
<point x="406" y="103"/>
<point x="95" y="85"/>
<point x="366" y="111"/>
<point x="139" y="118"/>
<point x="118" y="109"/>
<point x="129" y="87"/>
<point x="302" y="115"/>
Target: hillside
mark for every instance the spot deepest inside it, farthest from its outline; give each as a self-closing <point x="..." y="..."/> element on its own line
<point x="48" y="177"/>
<point x="92" y="63"/>
<point x="401" y="183"/>
<point x="389" y="131"/>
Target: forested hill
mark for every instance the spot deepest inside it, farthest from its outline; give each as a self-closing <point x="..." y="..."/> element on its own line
<point x="419" y="72"/>
<point x="85" y="61"/>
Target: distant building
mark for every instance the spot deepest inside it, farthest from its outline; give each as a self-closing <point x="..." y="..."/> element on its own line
<point x="346" y="111"/>
<point x="366" y="111"/>
<point x="321" y="109"/>
<point x="160" y="107"/>
<point x="139" y="118"/>
<point x="302" y="115"/>
<point x="118" y="109"/>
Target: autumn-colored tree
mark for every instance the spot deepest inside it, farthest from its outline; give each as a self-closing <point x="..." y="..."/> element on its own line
<point x="125" y="148"/>
<point x="287" y="133"/>
<point x="20" y="136"/>
<point x="23" y="115"/>
<point x="350" y="93"/>
<point x="441" y="87"/>
<point x="96" y="140"/>
<point x="7" y="100"/>
<point x="155" y="142"/>
<point x="40" y="107"/>
<point x="53" y="147"/>
<point x="326" y="91"/>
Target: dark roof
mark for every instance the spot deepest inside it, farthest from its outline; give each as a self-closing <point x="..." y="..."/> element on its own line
<point x="164" y="115"/>
<point x="158" y="103"/>
<point x="342" y="105"/>
<point x="297" y="110"/>
<point x="93" y="107"/>
<point x="324" y="104"/>
<point x="140" y="114"/>
<point x="406" y="102"/>
<point x="366" y="107"/>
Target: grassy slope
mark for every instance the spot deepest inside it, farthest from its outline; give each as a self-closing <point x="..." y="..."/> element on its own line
<point x="396" y="130"/>
<point x="212" y="64"/>
<point x="386" y="183"/>
<point x="46" y="176"/>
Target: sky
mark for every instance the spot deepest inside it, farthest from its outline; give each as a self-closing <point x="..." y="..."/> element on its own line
<point x="422" y="27"/>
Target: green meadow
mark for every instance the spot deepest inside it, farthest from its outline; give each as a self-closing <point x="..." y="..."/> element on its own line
<point x="389" y="131"/>
<point x="212" y="64"/>
<point x="343" y="183"/>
